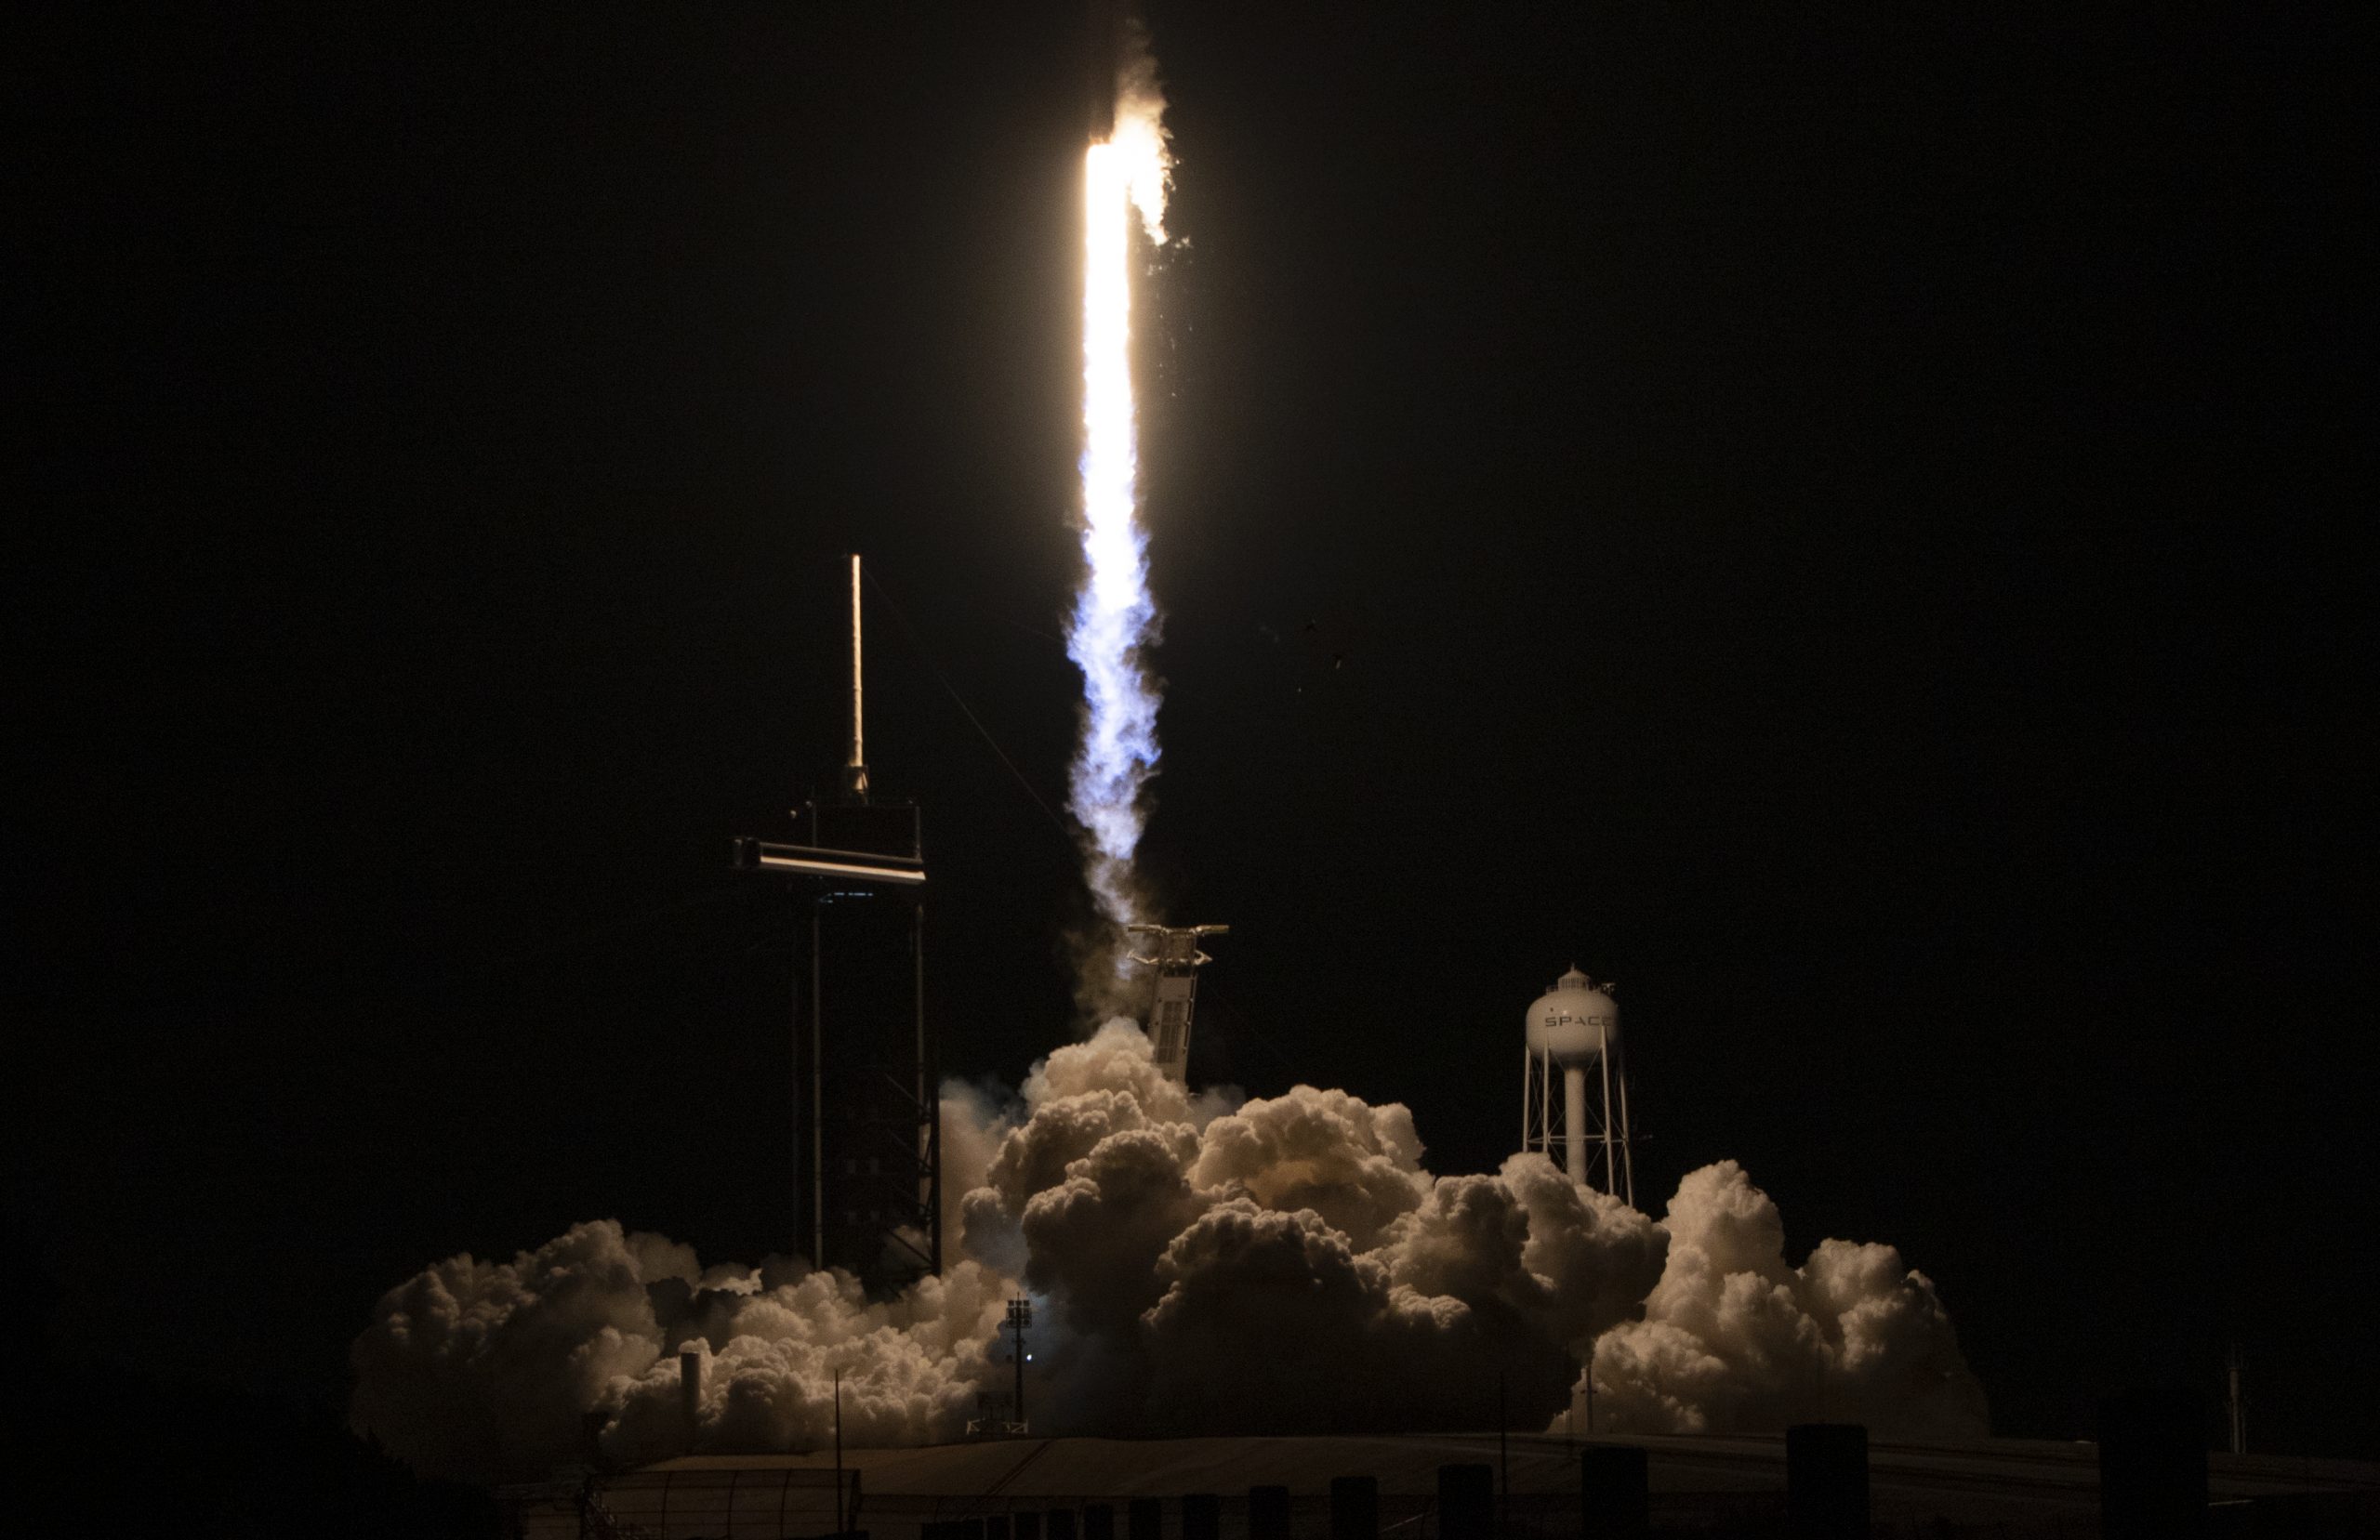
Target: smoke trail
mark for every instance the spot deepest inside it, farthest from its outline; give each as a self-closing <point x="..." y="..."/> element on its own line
<point x="1114" y="617"/>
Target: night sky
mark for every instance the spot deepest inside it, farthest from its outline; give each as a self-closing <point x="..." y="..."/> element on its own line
<point x="1840" y="522"/>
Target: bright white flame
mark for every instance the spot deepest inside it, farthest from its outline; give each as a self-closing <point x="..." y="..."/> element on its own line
<point x="1113" y="612"/>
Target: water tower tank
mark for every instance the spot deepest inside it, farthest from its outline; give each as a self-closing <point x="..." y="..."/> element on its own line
<point x="1573" y="1021"/>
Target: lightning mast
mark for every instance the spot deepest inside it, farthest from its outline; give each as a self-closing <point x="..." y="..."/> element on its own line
<point x="855" y="771"/>
<point x="867" y="1150"/>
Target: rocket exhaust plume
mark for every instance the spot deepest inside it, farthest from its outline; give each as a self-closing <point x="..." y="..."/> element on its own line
<point x="1114" y="617"/>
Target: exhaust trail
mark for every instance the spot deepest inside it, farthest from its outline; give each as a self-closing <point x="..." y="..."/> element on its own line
<point x="1114" y="618"/>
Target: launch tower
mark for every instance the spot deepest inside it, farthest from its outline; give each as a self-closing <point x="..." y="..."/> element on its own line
<point x="1573" y="1038"/>
<point x="1174" y="952"/>
<point x="868" y="1152"/>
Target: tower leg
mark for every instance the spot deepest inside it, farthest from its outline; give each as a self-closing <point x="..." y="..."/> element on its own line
<point x="1627" y="1145"/>
<point x="1574" y="1120"/>
<point x="1610" y="1167"/>
<point x="817" y="1094"/>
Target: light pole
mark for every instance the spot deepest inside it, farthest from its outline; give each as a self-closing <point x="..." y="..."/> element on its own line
<point x="1020" y="1315"/>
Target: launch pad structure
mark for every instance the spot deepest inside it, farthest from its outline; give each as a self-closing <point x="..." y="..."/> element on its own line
<point x="1174" y="952"/>
<point x="866" y="1114"/>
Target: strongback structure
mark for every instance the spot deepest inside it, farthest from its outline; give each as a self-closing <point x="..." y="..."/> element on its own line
<point x="867" y="1155"/>
<point x="1173" y="952"/>
<point x="1573" y="1039"/>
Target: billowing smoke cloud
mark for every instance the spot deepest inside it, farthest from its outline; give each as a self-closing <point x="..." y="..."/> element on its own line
<point x="480" y="1370"/>
<point x="492" y="1370"/>
<point x="1733" y="1338"/>
<point x="1194" y="1258"/>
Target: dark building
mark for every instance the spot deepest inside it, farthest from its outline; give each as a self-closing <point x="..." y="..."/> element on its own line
<point x="864" y="1075"/>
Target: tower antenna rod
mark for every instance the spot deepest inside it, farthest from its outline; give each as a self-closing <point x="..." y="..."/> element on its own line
<point x="855" y="773"/>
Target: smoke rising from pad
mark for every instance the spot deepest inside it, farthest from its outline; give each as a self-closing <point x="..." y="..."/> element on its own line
<point x="1194" y="1256"/>
<point x="1734" y="1338"/>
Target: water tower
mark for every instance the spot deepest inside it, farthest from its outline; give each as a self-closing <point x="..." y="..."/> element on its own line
<point x="1574" y="1039"/>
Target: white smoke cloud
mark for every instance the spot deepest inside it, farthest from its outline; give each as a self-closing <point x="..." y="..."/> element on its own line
<point x="910" y="1367"/>
<point x="1357" y="1165"/>
<point x="1196" y="1258"/>
<point x="488" y="1371"/>
<point x="973" y="1124"/>
<point x="1734" y="1340"/>
<point x="480" y="1369"/>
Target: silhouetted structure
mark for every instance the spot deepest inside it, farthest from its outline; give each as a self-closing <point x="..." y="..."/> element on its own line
<point x="1466" y="1502"/>
<point x="1826" y="1481"/>
<point x="1614" y="1492"/>
<point x="2235" y="1397"/>
<point x="1098" y="1521"/>
<point x="2152" y="1465"/>
<point x="1269" y="1513"/>
<point x="1354" y="1508"/>
<point x="1020" y="1319"/>
<point x="1716" y="1488"/>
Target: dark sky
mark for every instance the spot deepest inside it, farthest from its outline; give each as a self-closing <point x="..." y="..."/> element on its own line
<point x="1839" y="521"/>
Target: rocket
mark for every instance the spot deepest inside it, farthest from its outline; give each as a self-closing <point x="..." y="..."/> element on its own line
<point x="1108" y="23"/>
